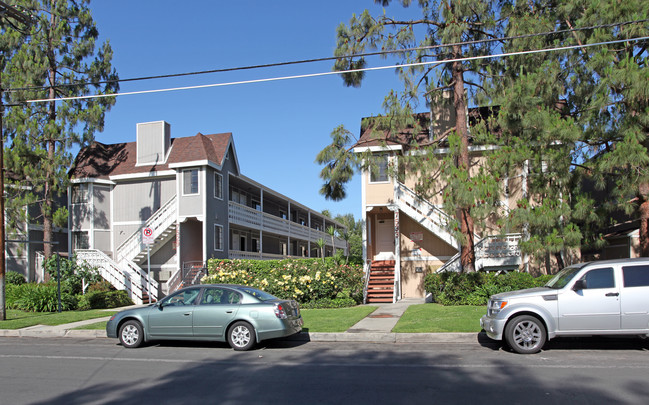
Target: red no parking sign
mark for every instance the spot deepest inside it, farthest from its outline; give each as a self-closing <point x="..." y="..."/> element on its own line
<point x="147" y="236"/>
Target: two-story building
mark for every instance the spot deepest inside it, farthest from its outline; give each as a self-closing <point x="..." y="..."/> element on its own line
<point x="150" y="213"/>
<point x="406" y="236"/>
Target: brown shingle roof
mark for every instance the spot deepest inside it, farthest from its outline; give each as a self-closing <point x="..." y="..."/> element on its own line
<point x="101" y="161"/>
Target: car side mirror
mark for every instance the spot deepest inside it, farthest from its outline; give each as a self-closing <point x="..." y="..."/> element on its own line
<point x="580" y="285"/>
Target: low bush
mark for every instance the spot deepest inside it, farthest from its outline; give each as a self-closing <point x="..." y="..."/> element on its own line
<point x="308" y="281"/>
<point x="452" y="288"/>
<point x="97" y="299"/>
<point x="11" y="277"/>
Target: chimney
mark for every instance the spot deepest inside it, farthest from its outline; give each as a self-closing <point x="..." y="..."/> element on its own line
<point x="153" y="142"/>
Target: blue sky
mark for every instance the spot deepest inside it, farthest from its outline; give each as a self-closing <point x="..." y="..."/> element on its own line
<point x="278" y="127"/>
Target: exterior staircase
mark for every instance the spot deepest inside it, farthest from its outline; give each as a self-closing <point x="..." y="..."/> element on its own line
<point x="126" y="276"/>
<point x="190" y="274"/>
<point x="125" y="273"/>
<point x="380" y="285"/>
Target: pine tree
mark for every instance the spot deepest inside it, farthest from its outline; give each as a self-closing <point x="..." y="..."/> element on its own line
<point x="58" y="59"/>
<point x="442" y="25"/>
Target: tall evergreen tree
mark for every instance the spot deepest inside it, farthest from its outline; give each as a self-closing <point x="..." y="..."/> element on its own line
<point x="610" y="93"/>
<point x="445" y="29"/>
<point x="565" y="121"/>
<point x="58" y="59"/>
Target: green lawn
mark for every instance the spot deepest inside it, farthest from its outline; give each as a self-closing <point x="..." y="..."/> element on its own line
<point x="424" y="318"/>
<point x="435" y="318"/>
<point x="334" y="320"/>
<point x="20" y="319"/>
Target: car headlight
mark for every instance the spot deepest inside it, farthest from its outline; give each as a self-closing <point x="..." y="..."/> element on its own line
<point x="495" y="306"/>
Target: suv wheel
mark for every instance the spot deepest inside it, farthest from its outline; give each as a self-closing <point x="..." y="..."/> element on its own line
<point x="525" y="334"/>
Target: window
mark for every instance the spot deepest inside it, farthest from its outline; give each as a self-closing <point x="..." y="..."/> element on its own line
<point x="218" y="237"/>
<point x="218" y="186"/>
<point x="600" y="278"/>
<point x="185" y="297"/>
<point x="379" y="171"/>
<point x="80" y="194"/>
<point x="636" y="276"/>
<point x="190" y="181"/>
<point x="80" y="240"/>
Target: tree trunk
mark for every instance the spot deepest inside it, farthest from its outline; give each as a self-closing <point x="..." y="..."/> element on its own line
<point x="643" y="210"/>
<point x="467" y="255"/>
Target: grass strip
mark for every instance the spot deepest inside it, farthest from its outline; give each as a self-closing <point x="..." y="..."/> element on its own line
<point x="334" y="320"/>
<point x="436" y="318"/>
<point x="21" y="319"/>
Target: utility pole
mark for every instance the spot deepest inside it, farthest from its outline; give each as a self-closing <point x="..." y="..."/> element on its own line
<point x="7" y="12"/>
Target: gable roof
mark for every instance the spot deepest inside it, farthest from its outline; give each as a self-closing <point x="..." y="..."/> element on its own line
<point x="101" y="161"/>
<point x="387" y="131"/>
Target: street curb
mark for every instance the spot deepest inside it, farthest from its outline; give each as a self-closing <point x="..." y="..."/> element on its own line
<point x="376" y="337"/>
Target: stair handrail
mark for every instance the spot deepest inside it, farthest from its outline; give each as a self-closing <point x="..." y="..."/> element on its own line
<point x="405" y="190"/>
<point x="130" y="279"/>
<point x="159" y="222"/>
<point x="481" y="251"/>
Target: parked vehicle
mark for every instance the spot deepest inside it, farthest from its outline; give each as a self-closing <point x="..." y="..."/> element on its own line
<point x="240" y="315"/>
<point x="597" y="298"/>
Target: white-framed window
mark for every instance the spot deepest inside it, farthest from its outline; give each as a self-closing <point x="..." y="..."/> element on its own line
<point x="379" y="173"/>
<point x="80" y="240"/>
<point x="218" y="237"/>
<point x="80" y="193"/>
<point x="218" y="186"/>
<point x="190" y="181"/>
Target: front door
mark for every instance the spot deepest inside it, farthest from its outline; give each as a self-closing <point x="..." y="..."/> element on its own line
<point x="384" y="236"/>
<point x="595" y="308"/>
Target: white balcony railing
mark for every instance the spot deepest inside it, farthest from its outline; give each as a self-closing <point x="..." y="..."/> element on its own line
<point x="251" y="218"/>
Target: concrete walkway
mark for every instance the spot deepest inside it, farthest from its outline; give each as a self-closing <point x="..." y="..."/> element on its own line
<point x="376" y="327"/>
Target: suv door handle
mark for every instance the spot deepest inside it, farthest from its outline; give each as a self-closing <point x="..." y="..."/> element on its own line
<point x="613" y="294"/>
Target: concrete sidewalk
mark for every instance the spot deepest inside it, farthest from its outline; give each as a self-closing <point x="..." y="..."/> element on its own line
<point x="376" y="327"/>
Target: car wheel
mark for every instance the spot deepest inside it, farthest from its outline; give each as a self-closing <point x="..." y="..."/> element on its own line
<point x="131" y="334"/>
<point x="241" y="336"/>
<point x="525" y="334"/>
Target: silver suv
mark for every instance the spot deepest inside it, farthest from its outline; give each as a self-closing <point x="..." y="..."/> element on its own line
<point x="597" y="298"/>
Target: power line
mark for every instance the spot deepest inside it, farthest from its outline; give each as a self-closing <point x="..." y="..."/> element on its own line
<point x="321" y="74"/>
<point x="330" y="58"/>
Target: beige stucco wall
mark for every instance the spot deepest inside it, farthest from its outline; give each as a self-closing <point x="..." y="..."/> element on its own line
<point x="433" y="251"/>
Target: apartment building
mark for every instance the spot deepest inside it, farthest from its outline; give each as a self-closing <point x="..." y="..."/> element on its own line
<point x="150" y="213"/>
<point x="406" y="236"/>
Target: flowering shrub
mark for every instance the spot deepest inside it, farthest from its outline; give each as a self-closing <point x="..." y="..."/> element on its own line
<point x="304" y="280"/>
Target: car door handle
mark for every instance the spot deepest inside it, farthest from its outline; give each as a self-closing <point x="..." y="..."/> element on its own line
<point x="228" y="312"/>
<point x="612" y="294"/>
<point x="187" y="313"/>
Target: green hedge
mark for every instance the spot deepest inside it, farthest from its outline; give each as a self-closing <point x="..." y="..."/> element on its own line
<point x="452" y="288"/>
<point x="104" y="299"/>
<point x="309" y="281"/>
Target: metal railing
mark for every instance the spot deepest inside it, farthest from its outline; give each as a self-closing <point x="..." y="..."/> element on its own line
<point x="162" y="219"/>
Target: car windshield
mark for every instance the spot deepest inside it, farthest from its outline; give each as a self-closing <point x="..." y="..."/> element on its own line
<point x="260" y="295"/>
<point x="563" y="277"/>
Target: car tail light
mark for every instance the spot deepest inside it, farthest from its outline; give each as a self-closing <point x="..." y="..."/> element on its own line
<point x="279" y="311"/>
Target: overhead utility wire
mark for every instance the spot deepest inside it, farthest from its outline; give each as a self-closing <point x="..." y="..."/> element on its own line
<point x="309" y="75"/>
<point x="330" y="58"/>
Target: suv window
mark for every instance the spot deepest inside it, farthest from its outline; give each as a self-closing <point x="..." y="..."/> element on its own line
<point x="636" y="276"/>
<point x="600" y="278"/>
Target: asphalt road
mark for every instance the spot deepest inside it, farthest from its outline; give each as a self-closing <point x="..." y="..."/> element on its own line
<point x="99" y="371"/>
